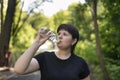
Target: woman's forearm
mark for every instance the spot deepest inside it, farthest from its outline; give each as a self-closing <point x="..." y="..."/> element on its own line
<point x="23" y="62"/>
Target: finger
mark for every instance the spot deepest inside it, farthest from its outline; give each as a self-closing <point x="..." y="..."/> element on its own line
<point x="41" y="30"/>
<point x="44" y="30"/>
<point x="49" y="33"/>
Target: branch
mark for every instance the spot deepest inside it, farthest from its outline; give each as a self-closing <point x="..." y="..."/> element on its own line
<point x="18" y="22"/>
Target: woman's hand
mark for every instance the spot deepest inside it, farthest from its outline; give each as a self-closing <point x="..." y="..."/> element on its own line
<point x="43" y="35"/>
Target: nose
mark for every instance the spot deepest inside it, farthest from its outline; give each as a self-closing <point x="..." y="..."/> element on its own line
<point x="60" y="36"/>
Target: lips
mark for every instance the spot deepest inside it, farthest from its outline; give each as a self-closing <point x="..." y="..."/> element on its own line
<point x="59" y="41"/>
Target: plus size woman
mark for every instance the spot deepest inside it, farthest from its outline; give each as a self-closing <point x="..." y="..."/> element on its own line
<point x="61" y="64"/>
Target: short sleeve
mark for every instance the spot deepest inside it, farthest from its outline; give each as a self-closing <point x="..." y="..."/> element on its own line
<point x="85" y="70"/>
<point x="40" y="58"/>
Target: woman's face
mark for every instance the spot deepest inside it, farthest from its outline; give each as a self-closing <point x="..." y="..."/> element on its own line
<point x="65" y="38"/>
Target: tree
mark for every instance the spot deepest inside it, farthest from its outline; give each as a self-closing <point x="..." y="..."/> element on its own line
<point x="6" y="30"/>
<point x="98" y="46"/>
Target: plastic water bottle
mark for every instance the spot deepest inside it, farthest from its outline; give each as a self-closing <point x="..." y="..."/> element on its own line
<point x="54" y="38"/>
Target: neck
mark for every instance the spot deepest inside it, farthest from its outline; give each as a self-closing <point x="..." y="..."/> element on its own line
<point x="63" y="54"/>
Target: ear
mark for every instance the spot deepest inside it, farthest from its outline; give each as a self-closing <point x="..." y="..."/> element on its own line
<point x="74" y="41"/>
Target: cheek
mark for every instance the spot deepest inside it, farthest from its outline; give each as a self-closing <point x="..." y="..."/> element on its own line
<point x="67" y="41"/>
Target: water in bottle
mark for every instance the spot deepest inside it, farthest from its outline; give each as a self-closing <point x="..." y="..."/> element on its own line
<point x="54" y="38"/>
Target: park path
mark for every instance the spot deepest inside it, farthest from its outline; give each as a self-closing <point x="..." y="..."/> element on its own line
<point x="31" y="76"/>
<point x="8" y="75"/>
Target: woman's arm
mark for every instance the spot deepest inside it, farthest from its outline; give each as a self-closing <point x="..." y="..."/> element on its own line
<point x="87" y="78"/>
<point x="26" y="63"/>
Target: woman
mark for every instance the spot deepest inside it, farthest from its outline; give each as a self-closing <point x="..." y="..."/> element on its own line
<point x="62" y="64"/>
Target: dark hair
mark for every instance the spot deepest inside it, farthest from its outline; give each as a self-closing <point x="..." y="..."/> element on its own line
<point x="72" y="30"/>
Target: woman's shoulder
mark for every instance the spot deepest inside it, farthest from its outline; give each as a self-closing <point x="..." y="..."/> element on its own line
<point x="41" y="56"/>
<point x="80" y="59"/>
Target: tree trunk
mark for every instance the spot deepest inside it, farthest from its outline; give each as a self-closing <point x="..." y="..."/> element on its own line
<point x="98" y="46"/>
<point x="1" y="13"/>
<point x="6" y="31"/>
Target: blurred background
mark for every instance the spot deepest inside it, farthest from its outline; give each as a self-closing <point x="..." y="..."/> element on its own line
<point x="98" y="22"/>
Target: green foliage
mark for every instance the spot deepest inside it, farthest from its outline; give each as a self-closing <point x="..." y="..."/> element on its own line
<point x="96" y="72"/>
<point x="24" y="39"/>
<point x="112" y="9"/>
<point x="38" y="20"/>
<point x="111" y="40"/>
<point x="4" y="9"/>
<point x="60" y="17"/>
<point x="81" y="18"/>
<point x="86" y="49"/>
<point x="110" y="30"/>
<point x="113" y="67"/>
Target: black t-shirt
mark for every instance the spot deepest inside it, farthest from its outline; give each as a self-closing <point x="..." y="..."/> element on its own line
<point x="53" y="68"/>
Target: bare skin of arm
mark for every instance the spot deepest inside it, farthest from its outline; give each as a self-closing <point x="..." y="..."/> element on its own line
<point x="87" y="78"/>
<point x="26" y="63"/>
